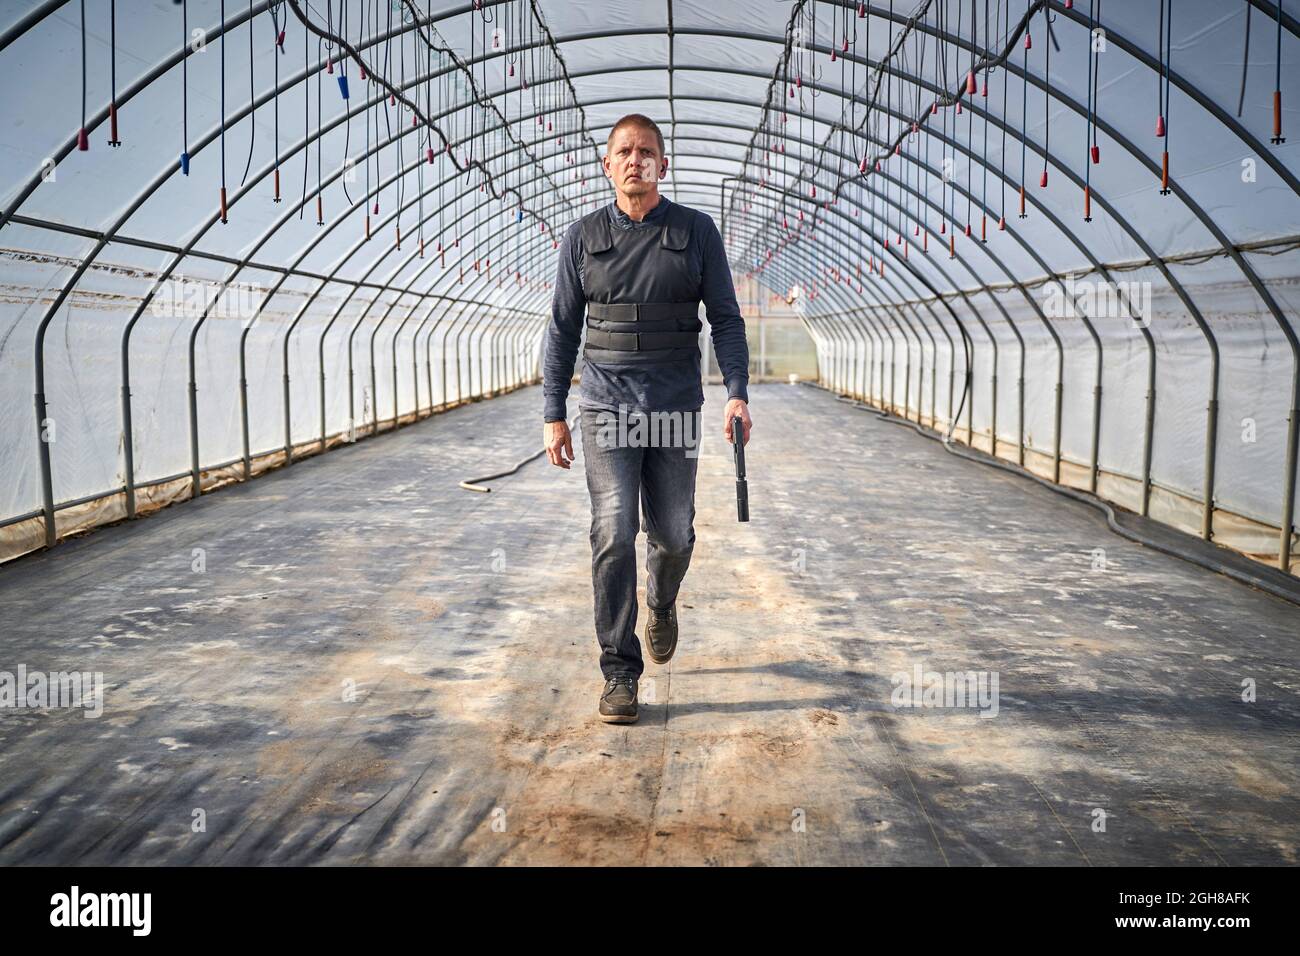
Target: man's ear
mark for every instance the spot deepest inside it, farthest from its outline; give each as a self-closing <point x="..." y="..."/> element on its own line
<point x="663" y="168"/>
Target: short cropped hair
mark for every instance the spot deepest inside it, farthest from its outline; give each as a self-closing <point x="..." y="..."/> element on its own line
<point x="643" y="121"/>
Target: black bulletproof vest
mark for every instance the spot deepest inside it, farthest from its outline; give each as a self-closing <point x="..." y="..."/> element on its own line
<point x="643" y="293"/>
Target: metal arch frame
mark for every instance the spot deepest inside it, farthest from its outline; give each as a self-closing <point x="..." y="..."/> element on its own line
<point x="1156" y="260"/>
<point x="945" y="38"/>
<point x="466" y="255"/>
<point x="1290" y="26"/>
<point x="1146" y="454"/>
<point x="704" y="186"/>
<point x="953" y="284"/>
<point x="927" y="284"/>
<point x="142" y="197"/>
<point x="394" y="177"/>
<point x="908" y="268"/>
<point x="1175" y="285"/>
<point x="883" y="195"/>
<point x="421" y="81"/>
<point x="381" y="186"/>
<point x="329" y="278"/>
<point x="387" y="250"/>
<point x="905" y="267"/>
<point x="234" y="21"/>
<point x="888" y="305"/>
<point x="1249" y="273"/>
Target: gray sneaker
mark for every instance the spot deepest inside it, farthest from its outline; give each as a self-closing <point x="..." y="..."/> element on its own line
<point x="661" y="634"/>
<point x="618" y="700"/>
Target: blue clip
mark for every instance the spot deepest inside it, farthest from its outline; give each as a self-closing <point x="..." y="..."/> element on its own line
<point x="519" y="215"/>
<point x="185" y="163"/>
<point x="343" y="85"/>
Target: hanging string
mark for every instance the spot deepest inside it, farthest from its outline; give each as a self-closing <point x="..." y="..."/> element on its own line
<point x="388" y="107"/>
<point x="1096" y="87"/>
<point x="1245" y="61"/>
<point x="343" y="91"/>
<point x="428" y="67"/>
<point x="223" y="113"/>
<point x="1024" y="114"/>
<point x="1278" y="139"/>
<point x="1002" y="161"/>
<point x="83" y="142"/>
<point x="1160" y="71"/>
<point x="401" y="178"/>
<point x="112" y="52"/>
<point x="970" y="116"/>
<point x="1087" y="130"/>
<point x="369" y="111"/>
<point x="252" y="97"/>
<point x="185" y="88"/>
<point x="306" y="119"/>
<point x="1047" y="92"/>
<point x="320" y="203"/>
<point x="984" y="154"/>
<point x="277" y="51"/>
<point x="1163" y="130"/>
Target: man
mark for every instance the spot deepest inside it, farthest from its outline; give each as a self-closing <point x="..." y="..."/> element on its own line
<point x="638" y="269"/>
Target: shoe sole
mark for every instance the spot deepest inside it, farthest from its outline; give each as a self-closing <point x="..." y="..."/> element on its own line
<point x="659" y="660"/>
<point x="619" y="718"/>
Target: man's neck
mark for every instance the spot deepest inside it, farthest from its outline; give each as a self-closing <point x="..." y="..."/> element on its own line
<point x="637" y="207"/>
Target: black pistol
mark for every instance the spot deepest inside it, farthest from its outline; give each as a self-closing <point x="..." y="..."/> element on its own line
<point x="742" y="489"/>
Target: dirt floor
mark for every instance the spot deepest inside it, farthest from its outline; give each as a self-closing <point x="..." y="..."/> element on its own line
<point x="370" y="665"/>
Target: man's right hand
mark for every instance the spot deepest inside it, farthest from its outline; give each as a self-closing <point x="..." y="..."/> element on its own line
<point x="558" y="442"/>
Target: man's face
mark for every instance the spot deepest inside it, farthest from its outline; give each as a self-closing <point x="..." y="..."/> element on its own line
<point x="634" y="162"/>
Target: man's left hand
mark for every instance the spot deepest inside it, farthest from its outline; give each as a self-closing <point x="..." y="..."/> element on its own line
<point x="736" y="407"/>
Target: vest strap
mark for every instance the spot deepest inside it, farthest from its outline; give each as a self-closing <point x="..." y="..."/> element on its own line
<point x="640" y="341"/>
<point x="643" y="326"/>
<point x="643" y="311"/>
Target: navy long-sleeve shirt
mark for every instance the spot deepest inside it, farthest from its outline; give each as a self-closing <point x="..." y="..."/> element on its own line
<point x="670" y="387"/>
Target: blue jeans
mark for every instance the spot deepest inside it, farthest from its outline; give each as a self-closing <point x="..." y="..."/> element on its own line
<point x="652" y="473"/>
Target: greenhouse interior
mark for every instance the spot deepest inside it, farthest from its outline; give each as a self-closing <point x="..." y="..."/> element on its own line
<point x="286" y="285"/>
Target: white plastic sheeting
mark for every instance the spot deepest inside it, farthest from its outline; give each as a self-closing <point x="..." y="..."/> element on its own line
<point x="1223" y="233"/>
